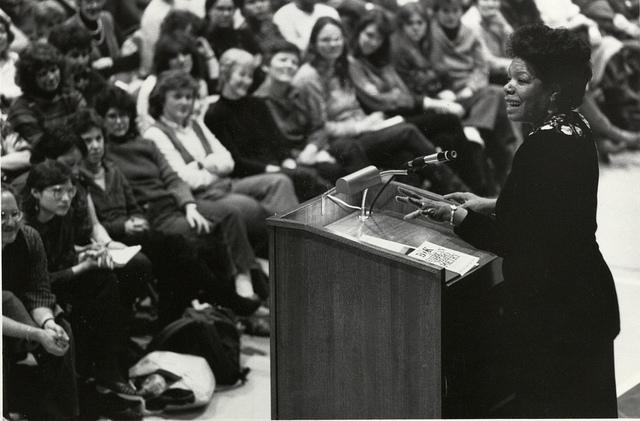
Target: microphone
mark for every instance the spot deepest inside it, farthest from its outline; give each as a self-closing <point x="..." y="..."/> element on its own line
<point x="435" y="158"/>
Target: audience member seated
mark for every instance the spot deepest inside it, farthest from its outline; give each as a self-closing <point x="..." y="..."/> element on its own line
<point x="258" y="19"/>
<point x="245" y="126"/>
<point x="106" y="55"/>
<point x="44" y="101"/>
<point x="176" y="266"/>
<point x="485" y="18"/>
<point x="220" y="31"/>
<point x="171" y="208"/>
<point x="74" y="42"/>
<point x="432" y="65"/>
<point x="330" y="99"/>
<point x="38" y="17"/>
<point x="15" y="153"/>
<point x="9" y="90"/>
<point x="296" y="19"/>
<point x="380" y="88"/>
<point x="63" y="145"/>
<point x="172" y="53"/>
<point x="310" y="146"/>
<point x="205" y="164"/>
<point x="185" y="23"/>
<point x="81" y="278"/>
<point x="612" y="101"/>
<point x="33" y="323"/>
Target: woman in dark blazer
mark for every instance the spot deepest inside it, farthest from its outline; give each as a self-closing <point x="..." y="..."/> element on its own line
<point x="560" y="299"/>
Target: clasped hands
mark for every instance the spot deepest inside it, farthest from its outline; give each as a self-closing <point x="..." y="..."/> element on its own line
<point x="53" y="338"/>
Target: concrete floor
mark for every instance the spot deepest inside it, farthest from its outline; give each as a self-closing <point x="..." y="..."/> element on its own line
<point x="619" y="238"/>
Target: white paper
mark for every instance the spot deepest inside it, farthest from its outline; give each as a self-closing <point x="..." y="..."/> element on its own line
<point x="122" y="256"/>
<point x="447" y="258"/>
<point x="388" y="123"/>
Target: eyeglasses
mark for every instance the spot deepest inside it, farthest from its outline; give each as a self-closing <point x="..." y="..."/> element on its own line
<point x="15" y="215"/>
<point x="59" y="191"/>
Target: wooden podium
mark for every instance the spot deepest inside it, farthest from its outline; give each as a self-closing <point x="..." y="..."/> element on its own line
<point x="356" y="329"/>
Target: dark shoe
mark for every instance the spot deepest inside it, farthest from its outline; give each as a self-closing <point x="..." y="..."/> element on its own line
<point x="243" y="306"/>
<point x="260" y="282"/>
<point x="122" y="389"/>
<point x="256" y="326"/>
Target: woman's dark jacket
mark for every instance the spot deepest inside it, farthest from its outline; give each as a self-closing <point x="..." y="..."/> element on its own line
<point x="559" y="287"/>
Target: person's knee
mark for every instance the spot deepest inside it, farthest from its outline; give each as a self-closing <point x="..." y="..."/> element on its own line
<point x="280" y="182"/>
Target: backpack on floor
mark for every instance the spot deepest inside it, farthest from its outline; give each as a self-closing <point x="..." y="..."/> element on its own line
<point x="211" y="333"/>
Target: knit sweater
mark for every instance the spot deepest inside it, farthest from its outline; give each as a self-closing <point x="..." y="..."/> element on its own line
<point x="462" y="58"/>
<point x="150" y="176"/>
<point x="30" y="115"/>
<point x="247" y="129"/>
<point x="116" y="202"/>
<point x="380" y="88"/>
<point x="330" y="103"/>
<point x="24" y="270"/>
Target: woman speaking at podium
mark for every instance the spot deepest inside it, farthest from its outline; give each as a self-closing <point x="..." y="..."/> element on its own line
<point x="560" y="299"/>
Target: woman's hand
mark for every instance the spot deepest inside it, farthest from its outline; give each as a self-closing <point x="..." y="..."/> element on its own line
<point x="52" y="342"/>
<point x="205" y="48"/>
<point x="447" y="95"/>
<point x="308" y="155"/>
<point x="465" y="93"/>
<point x="441" y="211"/>
<point x="272" y="168"/>
<point x="475" y="203"/>
<point x="60" y="334"/>
<point x="289" y="164"/>
<point x="135" y="225"/>
<point x="102" y="63"/>
<point x="196" y="220"/>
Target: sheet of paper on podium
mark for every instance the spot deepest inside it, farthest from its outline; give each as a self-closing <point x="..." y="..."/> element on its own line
<point x="444" y="257"/>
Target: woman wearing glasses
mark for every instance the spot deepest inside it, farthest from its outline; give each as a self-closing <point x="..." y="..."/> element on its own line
<point x="81" y="276"/>
<point x="32" y="322"/>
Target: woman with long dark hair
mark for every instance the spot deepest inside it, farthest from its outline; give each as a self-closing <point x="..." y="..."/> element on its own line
<point x="330" y="96"/>
<point x="380" y="88"/>
<point x="484" y="115"/>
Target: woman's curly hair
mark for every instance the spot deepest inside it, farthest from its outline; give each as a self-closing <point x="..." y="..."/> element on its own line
<point x="170" y="80"/>
<point x="558" y="57"/>
<point x="36" y="56"/>
<point x="69" y="36"/>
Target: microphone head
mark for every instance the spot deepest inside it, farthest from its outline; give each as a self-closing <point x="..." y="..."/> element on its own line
<point x="448" y="156"/>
